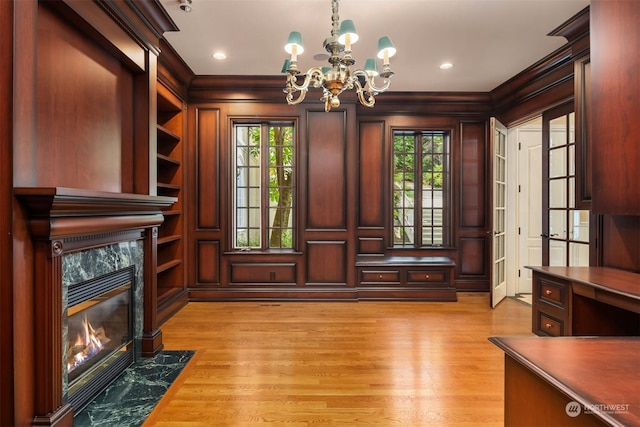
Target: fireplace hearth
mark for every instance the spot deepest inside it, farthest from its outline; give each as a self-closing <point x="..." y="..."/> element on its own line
<point x="100" y="333"/>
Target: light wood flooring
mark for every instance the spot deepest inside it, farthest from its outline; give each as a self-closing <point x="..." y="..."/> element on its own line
<point x="340" y="364"/>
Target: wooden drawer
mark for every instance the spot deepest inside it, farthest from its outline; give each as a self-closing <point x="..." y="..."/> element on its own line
<point x="548" y="325"/>
<point x="552" y="292"/>
<point x="426" y="276"/>
<point x="380" y="276"/>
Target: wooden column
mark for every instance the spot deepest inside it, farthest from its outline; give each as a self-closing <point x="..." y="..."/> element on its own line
<point x="151" y="335"/>
<point x="51" y="409"/>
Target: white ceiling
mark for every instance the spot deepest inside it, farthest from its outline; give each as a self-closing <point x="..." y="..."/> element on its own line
<point x="488" y="41"/>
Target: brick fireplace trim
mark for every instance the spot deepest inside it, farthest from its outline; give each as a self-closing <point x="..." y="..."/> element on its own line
<point x="62" y="220"/>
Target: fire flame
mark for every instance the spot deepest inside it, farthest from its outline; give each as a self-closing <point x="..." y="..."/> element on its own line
<point x="87" y="344"/>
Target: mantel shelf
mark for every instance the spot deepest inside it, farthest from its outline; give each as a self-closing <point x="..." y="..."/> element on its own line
<point x="56" y="212"/>
<point x="62" y="201"/>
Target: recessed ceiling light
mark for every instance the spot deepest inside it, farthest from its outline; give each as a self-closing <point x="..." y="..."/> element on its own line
<point x="446" y="66"/>
<point x="219" y="55"/>
<point x="321" y="57"/>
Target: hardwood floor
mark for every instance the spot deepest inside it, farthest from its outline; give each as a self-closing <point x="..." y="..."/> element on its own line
<point x="340" y="364"/>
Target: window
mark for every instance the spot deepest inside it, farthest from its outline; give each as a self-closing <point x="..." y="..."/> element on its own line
<point x="264" y="164"/>
<point x="420" y="188"/>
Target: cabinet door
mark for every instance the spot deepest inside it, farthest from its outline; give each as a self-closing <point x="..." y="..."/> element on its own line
<point x="583" y="132"/>
<point x="565" y="229"/>
<point x="615" y="42"/>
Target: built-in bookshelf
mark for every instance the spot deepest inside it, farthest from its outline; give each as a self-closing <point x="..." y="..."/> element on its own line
<point x="170" y="268"/>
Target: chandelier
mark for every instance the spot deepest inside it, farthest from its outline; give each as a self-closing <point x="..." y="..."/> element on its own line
<point x="339" y="76"/>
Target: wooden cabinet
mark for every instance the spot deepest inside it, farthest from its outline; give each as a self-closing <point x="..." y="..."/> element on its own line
<point x="573" y="301"/>
<point x="582" y="81"/>
<point x="551" y="306"/>
<point x="171" y="246"/>
<point x="398" y="277"/>
<point x="615" y="108"/>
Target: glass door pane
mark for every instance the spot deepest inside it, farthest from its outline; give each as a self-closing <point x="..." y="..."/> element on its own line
<point x="565" y="230"/>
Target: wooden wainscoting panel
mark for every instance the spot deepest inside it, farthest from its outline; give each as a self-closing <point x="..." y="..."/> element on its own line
<point x="370" y="246"/>
<point x="473" y="175"/>
<point x="326" y="262"/>
<point x="208" y="161"/>
<point x="81" y="120"/>
<point x="473" y="259"/>
<point x="372" y="173"/>
<point x="327" y="171"/>
<point x="262" y="273"/>
<point x="208" y="262"/>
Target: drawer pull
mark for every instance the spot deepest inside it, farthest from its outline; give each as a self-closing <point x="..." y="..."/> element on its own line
<point x="548" y="326"/>
<point x="548" y="292"/>
<point x="380" y="276"/>
<point x="426" y="276"/>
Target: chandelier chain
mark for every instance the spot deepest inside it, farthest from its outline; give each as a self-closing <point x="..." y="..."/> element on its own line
<point x="335" y="19"/>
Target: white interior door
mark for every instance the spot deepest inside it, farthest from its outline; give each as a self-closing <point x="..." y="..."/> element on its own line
<point x="499" y="244"/>
<point x="529" y="138"/>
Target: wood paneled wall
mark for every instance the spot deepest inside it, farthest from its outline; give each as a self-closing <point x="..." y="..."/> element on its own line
<point x="84" y="115"/>
<point x="7" y="397"/>
<point x="322" y="265"/>
<point x="475" y="206"/>
<point x="470" y="192"/>
<point x="615" y="131"/>
<point x="78" y="80"/>
<point x="343" y="192"/>
<point x="619" y="237"/>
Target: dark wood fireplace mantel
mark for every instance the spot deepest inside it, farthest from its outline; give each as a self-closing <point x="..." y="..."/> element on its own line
<point x="63" y="220"/>
<point x="62" y="212"/>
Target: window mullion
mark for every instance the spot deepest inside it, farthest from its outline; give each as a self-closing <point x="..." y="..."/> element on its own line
<point x="418" y="203"/>
<point x="264" y="177"/>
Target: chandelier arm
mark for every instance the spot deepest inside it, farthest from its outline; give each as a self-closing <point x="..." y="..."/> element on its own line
<point x="313" y="77"/>
<point x="366" y="101"/>
<point x="385" y="85"/>
<point x="370" y="81"/>
<point x="290" y="99"/>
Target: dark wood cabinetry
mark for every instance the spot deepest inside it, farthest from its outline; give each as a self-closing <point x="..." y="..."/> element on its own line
<point x="585" y="301"/>
<point x="551" y="306"/>
<point x="615" y="41"/>
<point x="397" y="277"/>
<point x="170" y="263"/>
<point x="582" y="79"/>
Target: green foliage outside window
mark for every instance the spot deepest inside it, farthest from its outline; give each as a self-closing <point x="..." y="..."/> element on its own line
<point x="267" y="217"/>
<point x="419" y="183"/>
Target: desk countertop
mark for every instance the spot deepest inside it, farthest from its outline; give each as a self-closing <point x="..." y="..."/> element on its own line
<point x="613" y="280"/>
<point x="593" y="371"/>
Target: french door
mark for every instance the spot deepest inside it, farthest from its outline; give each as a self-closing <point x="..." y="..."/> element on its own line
<point x="498" y="232"/>
<point x="565" y="229"/>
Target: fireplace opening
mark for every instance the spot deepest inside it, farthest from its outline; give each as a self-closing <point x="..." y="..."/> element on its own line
<point x="99" y="343"/>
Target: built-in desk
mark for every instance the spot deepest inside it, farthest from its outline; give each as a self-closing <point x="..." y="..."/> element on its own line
<point x="571" y="381"/>
<point x="585" y="301"/>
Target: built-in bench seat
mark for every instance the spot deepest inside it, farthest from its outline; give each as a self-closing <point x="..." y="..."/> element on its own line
<point x="424" y="278"/>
